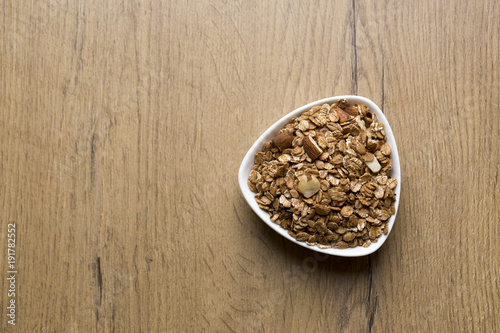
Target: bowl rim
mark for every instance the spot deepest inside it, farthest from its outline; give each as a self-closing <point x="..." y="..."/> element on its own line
<point x="248" y="162"/>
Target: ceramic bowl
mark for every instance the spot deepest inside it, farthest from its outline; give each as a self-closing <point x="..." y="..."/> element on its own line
<point x="269" y="134"/>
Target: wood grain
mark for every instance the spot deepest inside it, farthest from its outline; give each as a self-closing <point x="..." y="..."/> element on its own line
<point x="123" y="124"/>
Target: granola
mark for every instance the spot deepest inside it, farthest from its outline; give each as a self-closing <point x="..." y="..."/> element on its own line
<point x="325" y="177"/>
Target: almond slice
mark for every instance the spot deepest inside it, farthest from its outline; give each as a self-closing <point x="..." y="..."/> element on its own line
<point x="374" y="165"/>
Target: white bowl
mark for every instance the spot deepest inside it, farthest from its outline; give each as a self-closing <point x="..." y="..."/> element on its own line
<point x="248" y="162"/>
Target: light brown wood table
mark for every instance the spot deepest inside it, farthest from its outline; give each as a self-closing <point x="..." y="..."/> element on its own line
<point x="123" y="124"/>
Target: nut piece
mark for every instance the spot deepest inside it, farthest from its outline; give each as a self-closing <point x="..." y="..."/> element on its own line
<point x="283" y="140"/>
<point x="352" y="110"/>
<point x="311" y="147"/>
<point x="308" y="185"/>
<point x="343" y="116"/>
<point x="373" y="165"/>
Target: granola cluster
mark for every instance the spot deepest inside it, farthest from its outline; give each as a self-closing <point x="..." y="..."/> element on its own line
<point x="325" y="177"/>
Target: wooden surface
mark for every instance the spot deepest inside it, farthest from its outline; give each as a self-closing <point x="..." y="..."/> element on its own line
<point x="123" y="124"/>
